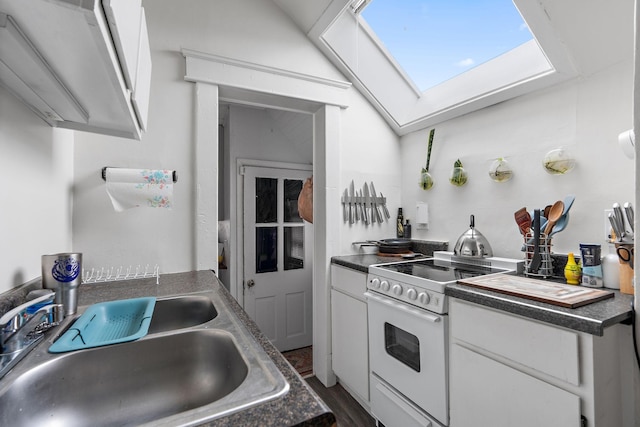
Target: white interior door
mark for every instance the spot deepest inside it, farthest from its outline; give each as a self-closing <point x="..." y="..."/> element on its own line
<point x="277" y="256"/>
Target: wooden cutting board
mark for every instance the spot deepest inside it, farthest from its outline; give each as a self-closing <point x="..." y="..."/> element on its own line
<point x="539" y="290"/>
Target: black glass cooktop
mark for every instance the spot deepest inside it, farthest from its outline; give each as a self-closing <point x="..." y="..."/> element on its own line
<point x="440" y="271"/>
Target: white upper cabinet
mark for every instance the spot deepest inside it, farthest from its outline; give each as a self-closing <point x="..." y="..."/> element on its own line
<point x="82" y="65"/>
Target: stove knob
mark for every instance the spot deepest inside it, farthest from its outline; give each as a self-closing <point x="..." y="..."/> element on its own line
<point x="412" y="294"/>
<point x="424" y="298"/>
<point x="375" y="283"/>
<point x="397" y="289"/>
<point x="385" y="286"/>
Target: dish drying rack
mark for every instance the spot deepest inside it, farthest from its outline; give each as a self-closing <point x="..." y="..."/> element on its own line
<point x="111" y="274"/>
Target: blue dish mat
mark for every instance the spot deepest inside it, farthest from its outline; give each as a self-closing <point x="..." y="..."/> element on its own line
<point x="107" y="323"/>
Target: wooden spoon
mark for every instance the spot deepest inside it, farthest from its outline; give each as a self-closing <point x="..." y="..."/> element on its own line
<point x="555" y="213"/>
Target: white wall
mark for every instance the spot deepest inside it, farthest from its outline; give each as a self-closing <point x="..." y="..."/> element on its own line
<point x="585" y="115"/>
<point x="255" y="134"/>
<point x="248" y="30"/>
<point x="36" y="168"/>
<point x="369" y="152"/>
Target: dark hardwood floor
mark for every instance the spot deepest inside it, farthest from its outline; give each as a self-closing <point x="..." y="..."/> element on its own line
<point x="348" y="412"/>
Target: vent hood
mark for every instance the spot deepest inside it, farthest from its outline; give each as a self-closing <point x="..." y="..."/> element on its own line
<point x="75" y="62"/>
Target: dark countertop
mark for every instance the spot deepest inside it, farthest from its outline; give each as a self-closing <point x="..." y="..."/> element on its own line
<point x="300" y="406"/>
<point x="361" y="262"/>
<point x="592" y="318"/>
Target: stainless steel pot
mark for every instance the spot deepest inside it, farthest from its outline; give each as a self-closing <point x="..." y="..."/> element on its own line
<point x="472" y="243"/>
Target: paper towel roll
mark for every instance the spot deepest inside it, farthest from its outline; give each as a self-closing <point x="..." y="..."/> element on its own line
<point x="132" y="188"/>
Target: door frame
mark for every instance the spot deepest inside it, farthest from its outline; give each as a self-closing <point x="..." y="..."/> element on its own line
<point x="218" y="79"/>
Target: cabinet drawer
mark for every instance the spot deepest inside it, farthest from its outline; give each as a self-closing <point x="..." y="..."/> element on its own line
<point x="547" y="349"/>
<point x="484" y="392"/>
<point x="349" y="281"/>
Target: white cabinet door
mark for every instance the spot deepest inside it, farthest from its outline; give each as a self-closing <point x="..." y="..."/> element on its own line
<point x="350" y="354"/>
<point x="484" y="392"/>
<point x="142" y="88"/>
<point x="123" y="17"/>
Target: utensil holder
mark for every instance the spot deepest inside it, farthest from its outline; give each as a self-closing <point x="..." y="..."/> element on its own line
<point x="546" y="267"/>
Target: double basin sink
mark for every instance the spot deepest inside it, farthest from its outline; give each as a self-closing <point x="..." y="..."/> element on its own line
<point x="197" y="363"/>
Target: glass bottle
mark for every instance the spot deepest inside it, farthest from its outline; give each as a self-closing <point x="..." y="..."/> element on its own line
<point x="399" y="225"/>
<point x="407" y="230"/>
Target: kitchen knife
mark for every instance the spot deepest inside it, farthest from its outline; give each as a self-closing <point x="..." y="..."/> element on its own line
<point x="619" y="218"/>
<point x="363" y="210"/>
<point x="614" y="225"/>
<point x="534" y="266"/>
<point x="375" y="203"/>
<point x="351" y="202"/>
<point x="355" y="203"/>
<point x="384" y="206"/>
<point x="628" y="210"/>
<point x="367" y="203"/>
<point x="345" y="201"/>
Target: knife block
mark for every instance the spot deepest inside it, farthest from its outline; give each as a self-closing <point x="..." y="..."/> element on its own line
<point x="626" y="278"/>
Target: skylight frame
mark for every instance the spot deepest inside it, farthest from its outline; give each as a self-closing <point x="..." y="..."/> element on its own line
<point x="354" y="50"/>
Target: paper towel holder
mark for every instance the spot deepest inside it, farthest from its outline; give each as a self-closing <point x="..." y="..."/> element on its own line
<point x="104" y="174"/>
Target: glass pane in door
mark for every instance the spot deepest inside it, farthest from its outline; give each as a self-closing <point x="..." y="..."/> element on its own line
<point x="266" y="249"/>
<point x="266" y="200"/>
<point x="292" y="189"/>
<point x="293" y="248"/>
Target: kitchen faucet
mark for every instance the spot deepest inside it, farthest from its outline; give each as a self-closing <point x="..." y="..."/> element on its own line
<point x="22" y="332"/>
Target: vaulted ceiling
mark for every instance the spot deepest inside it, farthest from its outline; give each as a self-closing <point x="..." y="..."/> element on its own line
<point x="578" y="38"/>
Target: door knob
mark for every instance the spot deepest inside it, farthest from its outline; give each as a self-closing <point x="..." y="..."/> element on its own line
<point x="250" y="283"/>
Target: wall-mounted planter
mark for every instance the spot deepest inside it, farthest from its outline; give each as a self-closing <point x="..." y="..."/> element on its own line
<point x="500" y="170"/>
<point x="558" y="162"/>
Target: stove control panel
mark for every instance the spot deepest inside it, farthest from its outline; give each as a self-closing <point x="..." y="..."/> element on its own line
<point x="408" y="293"/>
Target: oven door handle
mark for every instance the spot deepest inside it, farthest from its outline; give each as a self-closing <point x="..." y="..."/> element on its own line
<point x="423" y="314"/>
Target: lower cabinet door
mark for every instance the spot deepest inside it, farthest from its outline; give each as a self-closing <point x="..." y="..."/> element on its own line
<point x="484" y="392"/>
<point x="350" y="344"/>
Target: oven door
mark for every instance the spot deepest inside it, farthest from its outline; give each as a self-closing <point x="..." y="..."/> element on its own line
<point x="408" y="350"/>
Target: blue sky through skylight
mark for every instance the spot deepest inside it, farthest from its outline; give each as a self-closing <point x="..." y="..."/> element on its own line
<point x="435" y="40"/>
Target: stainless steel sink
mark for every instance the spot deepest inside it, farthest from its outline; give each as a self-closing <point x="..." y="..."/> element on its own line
<point x="173" y="376"/>
<point x="127" y="384"/>
<point x="181" y="312"/>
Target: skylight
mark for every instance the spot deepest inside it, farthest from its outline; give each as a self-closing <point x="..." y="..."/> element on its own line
<point x="435" y="40"/>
